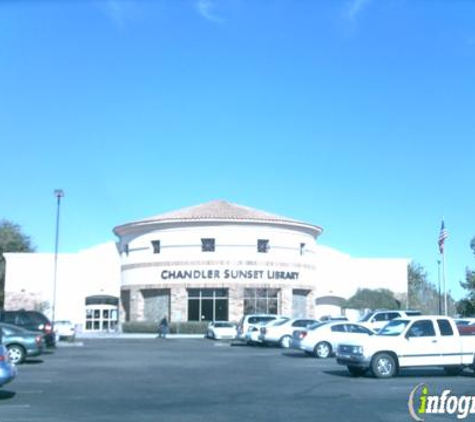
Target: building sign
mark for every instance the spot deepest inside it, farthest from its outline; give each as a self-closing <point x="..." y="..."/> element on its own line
<point x="228" y="274"/>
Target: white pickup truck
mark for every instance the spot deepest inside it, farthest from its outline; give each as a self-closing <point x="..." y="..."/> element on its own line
<point x="420" y="341"/>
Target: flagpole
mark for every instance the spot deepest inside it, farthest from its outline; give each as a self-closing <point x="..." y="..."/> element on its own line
<point x="444" y="277"/>
<point x="442" y="236"/>
<point x="439" y="291"/>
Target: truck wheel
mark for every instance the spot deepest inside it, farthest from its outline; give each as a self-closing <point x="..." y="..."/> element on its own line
<point x="383" y="365"/>
<point x="322" y="350"/>
<point x="453" y="370"/>
<point x="356" y="371"/>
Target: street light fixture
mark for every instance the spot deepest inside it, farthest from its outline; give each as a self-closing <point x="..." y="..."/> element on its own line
<point x="58" y="193"/>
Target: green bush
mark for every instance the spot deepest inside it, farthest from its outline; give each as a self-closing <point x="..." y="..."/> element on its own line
<point x="140" y="327"/>
<point x="189" y="327"/>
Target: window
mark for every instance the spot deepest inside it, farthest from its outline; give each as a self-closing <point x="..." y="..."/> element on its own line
<point x="207" y="304"/>
<point x="207" y="245"/>
<point x="393" y="315"/>
<point x="423" y="328"/>
<point x="445" y="327"/>
<point x="261" y="301"/>
<point x="303" y="323"/>
<point x="263" y="245"/>
<point x="341" y="328"/>
<point x="302" y="248"/>
<point x="356" y="329"/>
<point x="380" y="317"/>
<point x="156" y="246"/>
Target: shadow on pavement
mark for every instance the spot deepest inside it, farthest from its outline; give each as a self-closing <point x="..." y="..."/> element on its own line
<point x="297" y="355"/>
<point x="33" y="361"/>
<point x="6" y="394"/>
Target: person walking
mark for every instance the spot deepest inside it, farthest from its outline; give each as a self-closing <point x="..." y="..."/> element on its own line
<point x="163" y="328"/>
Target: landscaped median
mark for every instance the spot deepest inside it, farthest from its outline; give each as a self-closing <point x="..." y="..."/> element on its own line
<point x="142" y="329"/>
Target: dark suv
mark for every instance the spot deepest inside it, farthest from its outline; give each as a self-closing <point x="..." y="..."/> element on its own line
<point x="31" y="320"/>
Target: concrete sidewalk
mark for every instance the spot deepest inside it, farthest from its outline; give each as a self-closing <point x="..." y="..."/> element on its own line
<point x="133" y="336"/>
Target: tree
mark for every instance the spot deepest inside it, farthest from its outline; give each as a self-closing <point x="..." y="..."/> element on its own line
<point x="466" y="306"/>
<point x="373" y="299"/>
<point x="12" y="239"/>
<point x="423" y="295"/>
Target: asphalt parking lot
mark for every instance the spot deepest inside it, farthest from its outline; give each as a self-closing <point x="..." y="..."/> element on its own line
<point x="202" y="380"/>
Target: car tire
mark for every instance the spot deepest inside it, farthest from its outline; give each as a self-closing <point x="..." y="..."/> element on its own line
<point x="356" y="371"/>
<point x="383" y="365"/>
<point x="16" y="353"/>
<point x="285" y="342"/>
<point x="322" y="350"/>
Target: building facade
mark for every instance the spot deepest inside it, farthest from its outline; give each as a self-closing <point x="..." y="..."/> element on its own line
<point x="217" y="261"/>
<point x="214" y="261"/>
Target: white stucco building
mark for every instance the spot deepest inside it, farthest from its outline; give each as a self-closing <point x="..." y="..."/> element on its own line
<point x="212" y="261"/>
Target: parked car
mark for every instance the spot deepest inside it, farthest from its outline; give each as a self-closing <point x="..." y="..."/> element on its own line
<point x="7" y="369"/>
<point x="464" y="321"/>
<point x="466" y="330"/>
<point x="424" y="341"/>
<point x="322" y="339"/>
<point x="279" y="332"/>
<point x="249" y="322"/>
<point x="379" y="318"/>
<point x="333" y="318"/>
<point x="219" y="330"/>
<point x="64" y="330"/>
<point x="21" y="343"/>
<point x="253" y="335"/>
<point x="31" y="320"/>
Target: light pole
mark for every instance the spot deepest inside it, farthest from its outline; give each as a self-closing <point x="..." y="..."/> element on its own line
<point x="58" y="193"/>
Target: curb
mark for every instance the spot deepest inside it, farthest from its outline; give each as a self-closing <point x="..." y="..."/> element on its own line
<point x="134" y="336"/>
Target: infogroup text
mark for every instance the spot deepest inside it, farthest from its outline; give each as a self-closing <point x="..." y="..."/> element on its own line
<point x="422" y="403"/>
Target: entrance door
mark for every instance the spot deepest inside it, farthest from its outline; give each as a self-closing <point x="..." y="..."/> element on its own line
<point x="102" y="313"/>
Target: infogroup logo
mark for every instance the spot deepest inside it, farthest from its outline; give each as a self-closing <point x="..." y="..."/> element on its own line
<point x="421" y="403"/>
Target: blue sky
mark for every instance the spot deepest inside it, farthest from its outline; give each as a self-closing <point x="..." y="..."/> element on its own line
<point x="354" y="115"/>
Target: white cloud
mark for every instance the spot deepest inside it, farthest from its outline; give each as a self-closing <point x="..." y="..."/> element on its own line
<point x="119" y="11"/>
<point x="356" y="7"/>
<point x="206" y="8"/>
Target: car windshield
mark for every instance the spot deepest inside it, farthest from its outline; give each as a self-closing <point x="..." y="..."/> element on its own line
<point x="316" y="325"/>
<point x="367" y="317"/>
<point x="394" y="328"/>
<point x="280" y="322"/>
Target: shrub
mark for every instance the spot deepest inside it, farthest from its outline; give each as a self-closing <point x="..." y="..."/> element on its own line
<point x="188" y="327"/>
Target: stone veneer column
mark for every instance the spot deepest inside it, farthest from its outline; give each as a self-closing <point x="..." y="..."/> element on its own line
<point x="135" y="298"/>
<point x="178" y="304"/>
<point x="311" y="297"/>
<point x="286" y="301"/>
<point x="235" y="303"/>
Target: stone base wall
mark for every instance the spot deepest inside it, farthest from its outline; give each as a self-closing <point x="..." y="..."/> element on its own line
<point x="179" y="301"/>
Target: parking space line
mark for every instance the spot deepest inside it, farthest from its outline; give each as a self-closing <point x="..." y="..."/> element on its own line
<point x="15" y="406"/>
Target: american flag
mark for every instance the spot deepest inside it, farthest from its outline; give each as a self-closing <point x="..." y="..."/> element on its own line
<point x="442" y="236"/>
